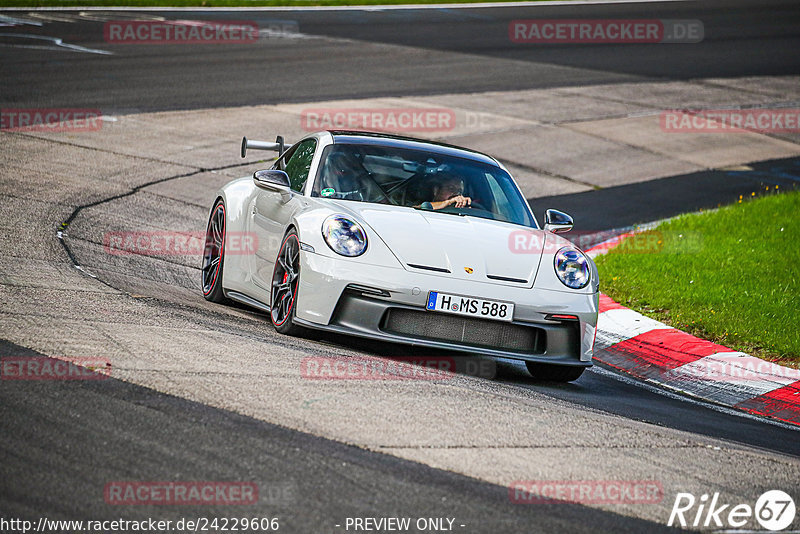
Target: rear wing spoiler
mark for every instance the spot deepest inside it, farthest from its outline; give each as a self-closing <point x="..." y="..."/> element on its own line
<point x="278" y="146"/>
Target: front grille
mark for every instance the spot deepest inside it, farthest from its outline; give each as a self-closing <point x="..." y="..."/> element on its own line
<point x="465" y="330"/>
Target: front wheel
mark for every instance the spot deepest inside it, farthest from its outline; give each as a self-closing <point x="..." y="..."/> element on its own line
<point x="285" y="280"/>
<point x="554" y="373"/>
<point x="214" y="254"/>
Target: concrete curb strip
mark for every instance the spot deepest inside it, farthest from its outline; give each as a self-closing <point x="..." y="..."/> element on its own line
<point x="652" y="351"/>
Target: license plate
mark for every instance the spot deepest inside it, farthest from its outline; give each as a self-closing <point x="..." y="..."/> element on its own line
<point x="470" y="306"/>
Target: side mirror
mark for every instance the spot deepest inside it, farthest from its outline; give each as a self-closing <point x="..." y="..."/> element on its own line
<point x="557" y="221"/>
<point x="272" y="179"/>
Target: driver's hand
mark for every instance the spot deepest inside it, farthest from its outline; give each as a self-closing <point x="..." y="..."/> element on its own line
<point x="459" y="201"/>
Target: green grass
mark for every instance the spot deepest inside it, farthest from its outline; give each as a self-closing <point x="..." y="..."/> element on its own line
<point x="221" y="3"/>
<point x="731" y="275"/>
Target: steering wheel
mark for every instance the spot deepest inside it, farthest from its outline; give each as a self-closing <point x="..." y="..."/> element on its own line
<point x="477" y="206"/>
<point x="475" y="209"/>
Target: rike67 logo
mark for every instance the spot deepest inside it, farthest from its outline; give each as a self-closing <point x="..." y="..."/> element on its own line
<point x="774" y="510"/>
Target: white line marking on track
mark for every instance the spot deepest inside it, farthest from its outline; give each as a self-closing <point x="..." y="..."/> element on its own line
<point x="58" y="44"/>
<point x="52" y="17"/>
<point x="102" y="16"/>
<point x="476" y="5"/>
<point x="14" y="21"/>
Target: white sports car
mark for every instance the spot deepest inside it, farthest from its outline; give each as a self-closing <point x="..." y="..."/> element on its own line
<point x="407" y="241"/>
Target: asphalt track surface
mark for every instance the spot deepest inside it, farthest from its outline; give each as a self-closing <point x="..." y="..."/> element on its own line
<point x="61" y="440"/>
<point x="77" y="436"/>
<point x="628" y="205"/>
<point x="742" y="38"/>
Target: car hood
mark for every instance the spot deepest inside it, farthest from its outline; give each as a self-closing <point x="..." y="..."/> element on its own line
<point x="468" y="247"/>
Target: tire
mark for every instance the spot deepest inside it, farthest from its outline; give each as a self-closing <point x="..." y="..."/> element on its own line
<point x="214" y="255"/>
<point x="554" y="373"/>
<point x="285" y="281"/>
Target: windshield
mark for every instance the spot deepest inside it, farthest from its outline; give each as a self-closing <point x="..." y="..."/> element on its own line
<point x="421" y="180"/>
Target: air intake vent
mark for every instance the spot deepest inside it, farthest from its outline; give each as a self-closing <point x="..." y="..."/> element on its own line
<point x="507" y="279"/>
<point x="465" y="330"/>
<point x="428" y="268"/>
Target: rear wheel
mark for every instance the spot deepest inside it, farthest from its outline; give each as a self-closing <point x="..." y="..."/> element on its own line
<point x="285" y="280"/>
<point x="554" y="373"/>
<point x="214" y="254"/>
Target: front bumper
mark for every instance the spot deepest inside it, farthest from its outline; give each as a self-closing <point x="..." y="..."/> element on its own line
<point x="388" y="304"/>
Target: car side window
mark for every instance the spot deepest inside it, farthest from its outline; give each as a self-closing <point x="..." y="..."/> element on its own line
<point x="280" y="163"/>
<point x="298" y="164"/>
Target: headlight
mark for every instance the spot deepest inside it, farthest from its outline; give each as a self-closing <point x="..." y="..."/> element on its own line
<point x="344" y="236"/>
<point x="572" y="268"/>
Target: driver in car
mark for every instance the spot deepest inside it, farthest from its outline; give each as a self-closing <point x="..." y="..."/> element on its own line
<point x="449" y="191"/>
